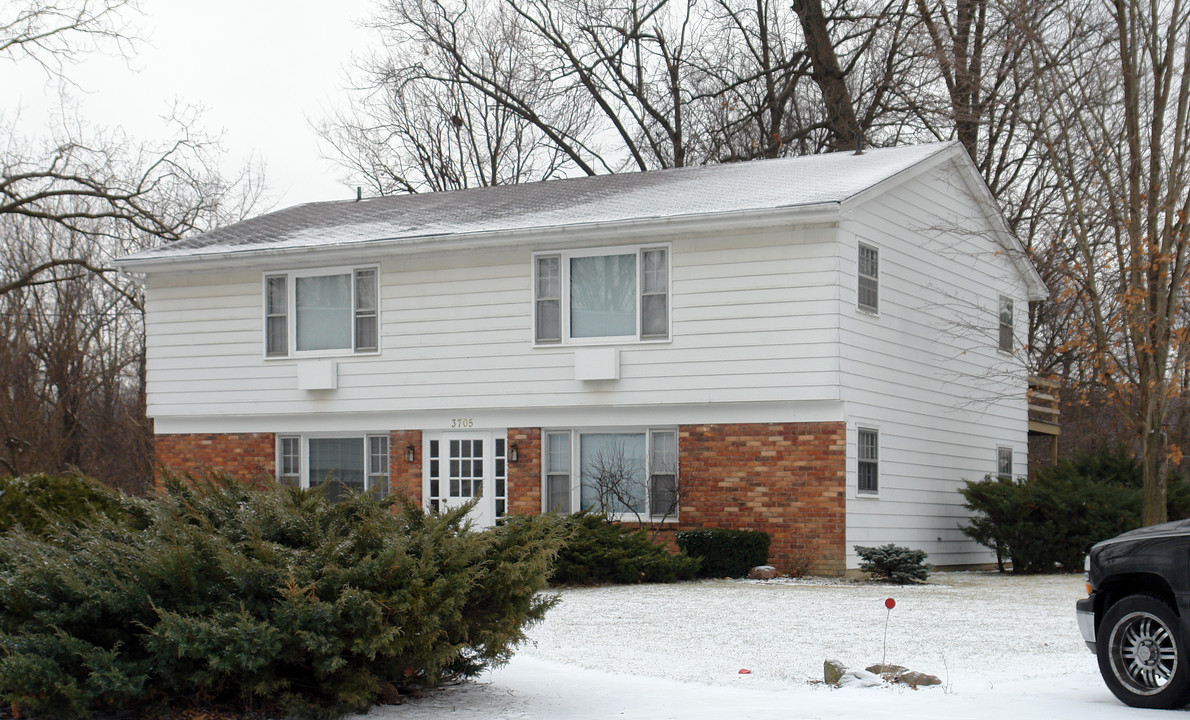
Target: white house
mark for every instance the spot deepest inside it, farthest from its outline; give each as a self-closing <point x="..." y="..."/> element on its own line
<point x="821" y="347"/>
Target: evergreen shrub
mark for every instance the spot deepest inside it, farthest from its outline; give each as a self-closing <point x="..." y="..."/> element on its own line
<point x="724" y="552"/>
<point x="597" y="551"/>
<point x="275" y="599"/>
<point x="1045" y="523"/>
<point x="894" y="563"/>
<point x="44" y="504"/>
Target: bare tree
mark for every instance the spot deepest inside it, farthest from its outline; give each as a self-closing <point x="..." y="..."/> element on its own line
<point x="623" y="483"/>
<point x="72" y="359"/>
<point x="1115" y="121"/>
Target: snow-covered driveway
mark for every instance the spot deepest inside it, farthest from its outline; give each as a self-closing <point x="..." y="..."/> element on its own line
<point x="1005" y="647"/>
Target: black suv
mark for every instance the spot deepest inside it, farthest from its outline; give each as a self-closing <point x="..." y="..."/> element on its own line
<point x="1134" y="616"/>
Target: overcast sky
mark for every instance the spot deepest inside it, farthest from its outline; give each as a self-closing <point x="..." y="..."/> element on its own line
<point x="262" y="70"/>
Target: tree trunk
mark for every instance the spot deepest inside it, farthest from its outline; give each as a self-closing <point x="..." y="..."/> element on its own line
<point x="828" y="75"/>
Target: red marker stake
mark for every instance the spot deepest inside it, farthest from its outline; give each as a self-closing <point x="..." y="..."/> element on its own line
<point x="889" y="604"/>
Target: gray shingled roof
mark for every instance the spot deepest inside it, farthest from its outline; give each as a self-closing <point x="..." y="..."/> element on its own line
<point x="682" y="192"/>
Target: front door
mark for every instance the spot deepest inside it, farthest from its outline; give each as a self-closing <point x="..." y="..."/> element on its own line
<point x="461" y="467"/>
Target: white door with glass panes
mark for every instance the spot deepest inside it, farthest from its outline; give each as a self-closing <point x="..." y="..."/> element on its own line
<point x="460" y="467"/>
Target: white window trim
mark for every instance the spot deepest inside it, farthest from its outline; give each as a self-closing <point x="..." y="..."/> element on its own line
<point x="564" y="302"/>
<point x="868" y="493"/>
<point x="304" y="454"/>
<point x="879" y="266"/>
<point x="291" y="313"/>
<point x="576" y="469"/>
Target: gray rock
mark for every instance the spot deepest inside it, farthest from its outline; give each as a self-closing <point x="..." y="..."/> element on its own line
<point x="891" y="671"/>
<point x="832" y="671"/>
<point x="913" y="679"/>
<point x="762" y="572"/>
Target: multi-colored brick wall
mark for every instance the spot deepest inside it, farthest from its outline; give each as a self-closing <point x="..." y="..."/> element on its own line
<point x="404" y="477"/>
<point x="785" y="479"/>
<point x="524" y="475"/>
<point x="251" y="457"/>
<point x="788" y="480"/>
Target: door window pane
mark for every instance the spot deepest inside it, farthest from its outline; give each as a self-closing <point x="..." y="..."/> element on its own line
<point x="323" y="310"/>
<point x="337" y="463"/>
<point x="603" y="296"/>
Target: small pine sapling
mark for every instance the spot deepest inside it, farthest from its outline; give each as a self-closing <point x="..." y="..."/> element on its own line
<point x="894" y="563"/>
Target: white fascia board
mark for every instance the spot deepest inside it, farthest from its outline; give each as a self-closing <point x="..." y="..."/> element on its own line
<point x="534" y="238"/>
<point x="495" y="418"/>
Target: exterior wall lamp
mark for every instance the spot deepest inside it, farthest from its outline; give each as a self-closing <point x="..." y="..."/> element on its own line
<point x="512" y="453"/>
<point x="409" y="450"/>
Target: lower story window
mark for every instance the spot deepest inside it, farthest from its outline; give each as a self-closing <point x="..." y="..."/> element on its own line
<point x="339" y="465"/>
<point x="1004" y="463"/>
<point x="625" y="473"/>
<point x="869" y="461"/>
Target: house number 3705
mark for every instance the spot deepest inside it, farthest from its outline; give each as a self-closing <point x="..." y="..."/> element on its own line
<point x="462" y="422"/>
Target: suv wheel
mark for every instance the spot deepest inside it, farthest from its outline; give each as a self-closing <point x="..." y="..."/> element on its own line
<point x="1142" y="654"/>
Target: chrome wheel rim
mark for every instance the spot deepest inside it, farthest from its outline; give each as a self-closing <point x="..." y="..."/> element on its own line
<point x="1144" y="653"/>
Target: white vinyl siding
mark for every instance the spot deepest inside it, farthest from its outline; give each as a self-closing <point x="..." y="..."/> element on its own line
<point x="601" y="295"/>
<point x="454" y="332"/>
<point x="931" y="378"/>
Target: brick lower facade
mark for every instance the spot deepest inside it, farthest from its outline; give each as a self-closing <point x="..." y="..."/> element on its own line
<point x="785" y="479"/>
<point x="788" y="480"/>
<point x="404" y="477"/>
<point x="250" y="457"/>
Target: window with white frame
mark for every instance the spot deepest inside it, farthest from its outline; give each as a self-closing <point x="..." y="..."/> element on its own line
<point x="322" y="312"/>
<point x="340" y="464"/>
<point x="630" y="474"/>
<point x="868" y="291"/>
<point x="1004" y="463"/>
<point x="610" y="294"/>
<point x="1006" y="343"/>
<point x="868" y="453"/>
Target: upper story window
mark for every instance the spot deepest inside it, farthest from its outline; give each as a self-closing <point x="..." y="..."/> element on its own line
<point x="613" y="294"/>
<point x="868" y="271"/>
<point x="321" y="312"/>
<point x="1006" y="343"/>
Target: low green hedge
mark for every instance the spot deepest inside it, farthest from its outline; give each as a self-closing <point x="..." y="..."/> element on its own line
<point x="260" y="599"/>
<point x="724" y="552"/>
<point x="597" y="551"/>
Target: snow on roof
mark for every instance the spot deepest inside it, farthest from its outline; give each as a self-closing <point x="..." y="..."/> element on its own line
<point x="660" y="194"/>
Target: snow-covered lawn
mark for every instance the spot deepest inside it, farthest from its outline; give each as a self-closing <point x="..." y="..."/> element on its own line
<point x="1005" y="647"/>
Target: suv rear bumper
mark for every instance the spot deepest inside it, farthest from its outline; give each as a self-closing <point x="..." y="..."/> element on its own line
<point x="1085" y="612"/>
